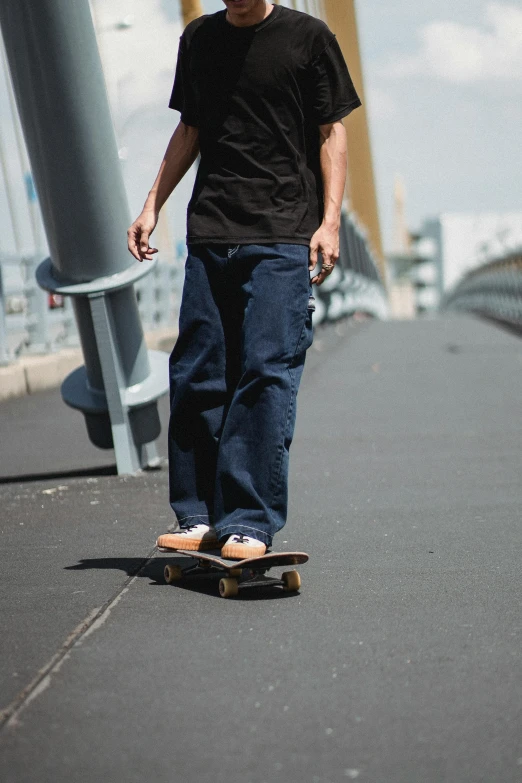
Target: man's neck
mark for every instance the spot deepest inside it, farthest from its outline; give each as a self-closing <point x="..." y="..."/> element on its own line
<point x="259" y="12"/>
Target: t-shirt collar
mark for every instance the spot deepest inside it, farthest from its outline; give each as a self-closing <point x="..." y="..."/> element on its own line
<point x="252" y="28"/>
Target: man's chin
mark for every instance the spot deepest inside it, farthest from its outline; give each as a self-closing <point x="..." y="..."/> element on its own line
<point x="239" y="6"/>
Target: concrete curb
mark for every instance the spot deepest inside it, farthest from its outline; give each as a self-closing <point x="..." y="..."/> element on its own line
<point x="31" y="374"/>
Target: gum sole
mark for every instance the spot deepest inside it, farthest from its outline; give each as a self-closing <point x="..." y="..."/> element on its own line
<point x="241" y="552"/>
<point x="171" y="541"/>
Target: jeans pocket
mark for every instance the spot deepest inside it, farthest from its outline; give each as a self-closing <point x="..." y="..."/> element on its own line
<point x="307" y="333"/>
<point x="308" y="330"/>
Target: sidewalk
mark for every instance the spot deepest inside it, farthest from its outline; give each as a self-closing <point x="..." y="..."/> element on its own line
<point x="35" y="373"/>
<point x="398" y="662"/>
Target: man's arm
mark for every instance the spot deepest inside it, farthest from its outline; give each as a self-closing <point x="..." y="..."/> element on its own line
<point x="181" y="153"/>
<point x="333" y="171"/>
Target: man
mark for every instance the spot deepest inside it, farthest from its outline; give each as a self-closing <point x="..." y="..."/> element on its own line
<point x="262" y="90"/>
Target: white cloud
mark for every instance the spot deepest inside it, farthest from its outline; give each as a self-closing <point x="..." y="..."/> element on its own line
<point x="462" y="54"/>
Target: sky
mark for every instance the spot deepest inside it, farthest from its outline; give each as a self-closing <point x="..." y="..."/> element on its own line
<point x="443" y="90"/>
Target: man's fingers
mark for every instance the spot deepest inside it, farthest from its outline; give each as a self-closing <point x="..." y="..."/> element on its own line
<point x="144" y="240"/>
<point x="330" y="255"/>
<point x="138" y="244"/>
<point x="326" y="271"/>
<point x="132" y="243"/>
<point x="146" y="250"/>
<point x="133" y="251"/>
<point x="324" y="243"/>
<point x="138" y="236"/>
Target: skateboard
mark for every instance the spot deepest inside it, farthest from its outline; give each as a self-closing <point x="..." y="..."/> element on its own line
<point x="240" y="574"/>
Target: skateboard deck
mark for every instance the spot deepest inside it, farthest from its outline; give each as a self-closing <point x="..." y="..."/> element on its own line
<point x="240" y="574"/>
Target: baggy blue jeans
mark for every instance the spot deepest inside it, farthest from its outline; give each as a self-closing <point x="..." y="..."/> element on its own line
<point x="245" y="325"/>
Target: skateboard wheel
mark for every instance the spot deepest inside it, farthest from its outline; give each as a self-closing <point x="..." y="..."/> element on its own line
<point x="172" y="574"/>
<point x="228" y="587"/>
<point x="291" y="580"/>
<point x="235" y="572"/>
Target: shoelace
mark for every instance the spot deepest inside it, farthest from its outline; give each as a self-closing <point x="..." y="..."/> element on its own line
<point x="187" y="529"/>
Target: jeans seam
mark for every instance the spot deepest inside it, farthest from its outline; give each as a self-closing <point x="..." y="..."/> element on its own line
<point x="228" y="527"/>
<point x="281" y="447"/>
<point x="300" y="337"/>
<point x="241" y="524"/>
<point x="194" y="516"/>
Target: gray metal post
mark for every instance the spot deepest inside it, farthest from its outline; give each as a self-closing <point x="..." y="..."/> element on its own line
<point x="62" y="101"/>
<point x="37" y="313"/>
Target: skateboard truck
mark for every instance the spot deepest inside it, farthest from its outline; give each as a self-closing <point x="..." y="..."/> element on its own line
<point x="240" y="574"/>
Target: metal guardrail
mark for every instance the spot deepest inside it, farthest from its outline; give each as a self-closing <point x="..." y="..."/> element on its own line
<point x="34" y="321"/>
<point x="355" y="285"/>
<point x="492" y="291"/>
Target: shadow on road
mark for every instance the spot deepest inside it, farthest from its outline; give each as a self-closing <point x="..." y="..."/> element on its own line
<point x="104" y="470"/>
<point x="206" y="584"/>
<point x="130" y="565"/>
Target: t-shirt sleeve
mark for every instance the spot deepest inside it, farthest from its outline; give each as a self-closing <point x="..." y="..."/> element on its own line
<point x="182" y="98"/>
<point x="333" y="95"/>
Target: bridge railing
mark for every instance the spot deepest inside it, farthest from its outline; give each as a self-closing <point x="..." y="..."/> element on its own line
<point x="33" y="321"/>
<point x="492" y="291"/>
<point x="355" y="285"/>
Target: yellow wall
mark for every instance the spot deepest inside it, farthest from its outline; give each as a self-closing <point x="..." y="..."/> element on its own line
<point x="341" y="18"/>
<point x="190" y="9"/>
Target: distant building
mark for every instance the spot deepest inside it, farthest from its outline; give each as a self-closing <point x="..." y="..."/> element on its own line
<point x="449" y="246"/>
<point x="445" y="249"/>
<point x="401" y="293"/>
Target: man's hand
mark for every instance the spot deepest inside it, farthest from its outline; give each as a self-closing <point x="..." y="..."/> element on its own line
<point x="139" y="233"/>
<point x="324" y="241"/>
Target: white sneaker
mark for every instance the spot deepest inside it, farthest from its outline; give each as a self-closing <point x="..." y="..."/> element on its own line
<point x="194" y="538"/>
<point x="240" y="547"/>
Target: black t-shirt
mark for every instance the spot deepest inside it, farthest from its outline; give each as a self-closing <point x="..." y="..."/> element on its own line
<point x="257" y="95"/>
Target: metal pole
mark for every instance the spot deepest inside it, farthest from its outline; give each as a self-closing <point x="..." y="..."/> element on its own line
<point x="62" y="102"/>
<point x="361" y="182"/>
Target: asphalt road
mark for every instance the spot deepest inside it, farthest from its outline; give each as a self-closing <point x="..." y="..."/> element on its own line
<point x="399" y="661"/>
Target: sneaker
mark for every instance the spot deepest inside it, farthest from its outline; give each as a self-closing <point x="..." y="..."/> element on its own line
<point x="194" y="538"/>
<point x="240" y="547"/>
